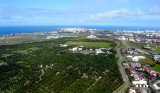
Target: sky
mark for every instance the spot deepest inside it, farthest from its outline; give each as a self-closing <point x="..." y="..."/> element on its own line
<point x="80" y="12"/>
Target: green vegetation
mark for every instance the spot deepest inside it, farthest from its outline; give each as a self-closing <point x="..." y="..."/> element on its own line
<point x="27" y="38"/>
<point x="156" y="67"/>
<point x="133" y="44"/>
<point x="89" y="44"/>
<point x="44" y="67"/>
<point x="120" y="87"/>
<point x="154" y="48"/>
<point x="92" y="43"/>
<point x="147" y="59"/>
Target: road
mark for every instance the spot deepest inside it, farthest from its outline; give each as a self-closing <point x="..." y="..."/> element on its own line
<point x="122" y="71"/>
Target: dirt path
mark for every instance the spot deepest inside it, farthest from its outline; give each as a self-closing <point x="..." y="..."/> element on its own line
<point x="42" y="73"/>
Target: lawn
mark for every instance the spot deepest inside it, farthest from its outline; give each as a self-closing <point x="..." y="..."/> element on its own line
<point x="147" y="59"/>
<point x="137" y="45"/>
<point x="134" y="44"/>
<point x="90" y="44"/>
<point x="156" y="67"/>
<point x="156" y="51"/>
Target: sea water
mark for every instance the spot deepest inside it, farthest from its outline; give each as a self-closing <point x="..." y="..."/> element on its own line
<point x="31" y="29"/>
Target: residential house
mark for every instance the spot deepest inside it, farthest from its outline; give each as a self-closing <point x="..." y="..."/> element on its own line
<point x="138" y="76"/>
<point x="151" y="72"/>
<point x="132" y="91"/>
<point x="99" y="51"/>
<point x="136" y="66"/>
<point x="156" y="85"/>
<point x="156" y="57"/>
<point x="126" y="65"/>
<point x="158" y="61"/>
<point x="124" y="50"/>
<point x="131" y="69"/>
<point x="75" y="49"/>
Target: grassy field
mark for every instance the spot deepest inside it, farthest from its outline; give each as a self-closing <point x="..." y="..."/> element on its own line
<point x="147" y="59"/>
<point x="156" y="50"/>
<point x="28" y="38"/>
<point x="156" y="47"/>
<point x="156" y="67"/>
<point x="90" y="44"/>
<point x="134" y="44"/>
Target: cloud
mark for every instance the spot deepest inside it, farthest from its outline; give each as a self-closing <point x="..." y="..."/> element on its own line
<point x="155" y="10"/>
<point x="137" y="12"/>
<point x="30" y="12"/>
<point x="116" y="14"/>
<point x="24" y="19"/>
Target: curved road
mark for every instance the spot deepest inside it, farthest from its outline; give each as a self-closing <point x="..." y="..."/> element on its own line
<point x="122" y="71"/>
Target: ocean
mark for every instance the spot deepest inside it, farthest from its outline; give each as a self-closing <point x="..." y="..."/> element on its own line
<point x="30" y="29"/>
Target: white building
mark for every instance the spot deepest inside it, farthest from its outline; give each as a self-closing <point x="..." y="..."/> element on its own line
<point x="76" y="49"/>
<point x="129" y="57"/>
<point x="156" y="85"/>
<point x="156" y="57"/>
<point x="141" y="57"/>
<point x="61" y="45"/>
<point x="140" y="83"/>
<point x="132" y="91"/>
<point x="91" y="36"/>
<point x="135" y="59"/>
<point x="99" y="51"/>
<point x="122" y="38"/>
<point x="52" y="37"/>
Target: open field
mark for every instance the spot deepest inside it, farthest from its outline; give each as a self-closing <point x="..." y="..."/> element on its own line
<point x="156" y="67"/>
<point x="156" y="48"/>
<point x="147" y="59"/>
<point x="134" y="44"/>
<point x="9" y="40"/>
<point x="89" y="44"/>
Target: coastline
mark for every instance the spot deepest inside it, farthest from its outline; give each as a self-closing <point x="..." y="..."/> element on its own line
<point x="6" y="30"/>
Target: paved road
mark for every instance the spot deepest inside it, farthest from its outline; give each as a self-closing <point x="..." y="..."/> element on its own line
<point x="122" y="71"/>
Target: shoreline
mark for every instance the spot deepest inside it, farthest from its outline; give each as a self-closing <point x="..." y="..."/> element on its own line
<point x="7" y="30"/>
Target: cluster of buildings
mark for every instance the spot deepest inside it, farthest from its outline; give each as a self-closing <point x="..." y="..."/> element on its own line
<point x="91" y="37"/>
<point x="84" y="50"/>
<point x="140" y="74"/>
<point x="148" y="37"/>
<point x="72" y="30"/>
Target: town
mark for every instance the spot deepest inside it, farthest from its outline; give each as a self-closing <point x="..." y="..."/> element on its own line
<point x="138" y="53"/>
